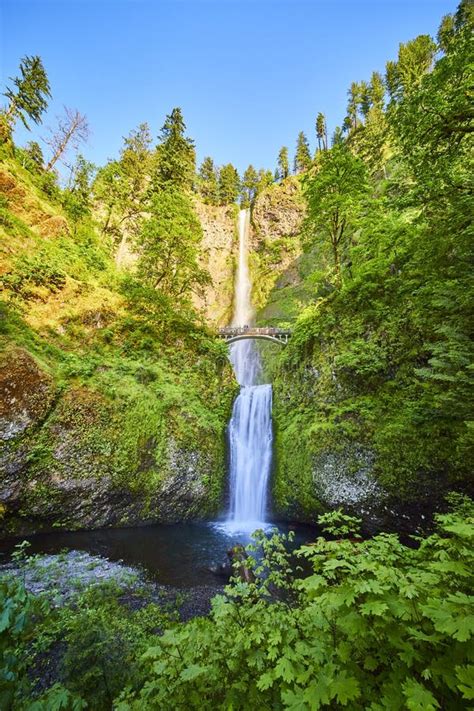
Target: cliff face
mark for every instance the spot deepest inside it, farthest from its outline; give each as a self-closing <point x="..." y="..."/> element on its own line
<point x="275" y="246"/>
<point x="104" y="420"/>
<point x="218" y="252"/>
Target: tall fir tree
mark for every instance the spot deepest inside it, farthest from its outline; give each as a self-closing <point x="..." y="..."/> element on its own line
<point x="208" y="185"/>
<point x="176" y="156"/>
<point x="283" y="163"/>
<point x="249" y="186"/>
<point x="229" y="184"/>
<point x="28" y="98"/>
<point x="321" y="132"/>
<point x="302" y="155"/>
<point x="415" y="58"/>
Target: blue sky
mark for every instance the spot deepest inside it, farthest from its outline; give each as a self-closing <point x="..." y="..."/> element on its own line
<point x="248" y="74"/>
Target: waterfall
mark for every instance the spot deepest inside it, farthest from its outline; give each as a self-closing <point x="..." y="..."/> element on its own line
<point x="250" y="428"/>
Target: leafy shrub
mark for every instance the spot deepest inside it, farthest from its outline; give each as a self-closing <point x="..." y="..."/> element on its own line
<point x="376" y="625"/>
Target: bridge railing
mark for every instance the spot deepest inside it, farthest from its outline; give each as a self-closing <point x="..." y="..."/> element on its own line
<point x="253" y="330"/>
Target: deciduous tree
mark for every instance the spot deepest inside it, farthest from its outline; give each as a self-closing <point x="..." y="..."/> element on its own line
<point x="334" y="199"/>
<point x="168" y="245"/>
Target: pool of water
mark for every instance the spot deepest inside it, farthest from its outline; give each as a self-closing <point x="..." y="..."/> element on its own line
<point x="182" y="555"/>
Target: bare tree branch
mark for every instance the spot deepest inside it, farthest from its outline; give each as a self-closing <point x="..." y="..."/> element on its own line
<point x="72" y="130"/>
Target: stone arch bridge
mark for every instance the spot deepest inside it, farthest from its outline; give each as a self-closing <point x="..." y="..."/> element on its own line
<point x="231" y="334"/>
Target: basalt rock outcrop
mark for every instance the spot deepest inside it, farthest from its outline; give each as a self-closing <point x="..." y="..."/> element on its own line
<point x="75" y="458"/>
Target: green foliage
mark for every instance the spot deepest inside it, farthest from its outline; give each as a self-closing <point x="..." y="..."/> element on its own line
<point x="18" y="610"/>
<point x="208" y="185"/>
<point x="229" y="184"/>
<point x="414" y="60"/>
<point x="383" y="361"/>
<point x="169" y="246"/>
<point x="29" y="97"/>
<point x="375" y="625"/>
<point x="302" y="155"/>
<point x="321" y="132"/>
<point x="175" y="155"/>
<point x="249" y="186"/>
<point x="335" y="195"/>
<point x="283" y="169"/>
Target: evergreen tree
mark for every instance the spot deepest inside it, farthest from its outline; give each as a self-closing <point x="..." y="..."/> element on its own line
<point x="135" y="158"/>
<point x="208" y="185"/>
<point x="175" y="154"/>
<point x="229" y="184"/>
<point x="249" y="186"/>
<point x="377" y="90"/>
<point x="28" y="99"/>
<point x="321" y="132"/>
<point x="265" y="179"/>
<point x="76" y="198"/>
<point x="35" y="154"/>
<point x="302" y="155"/>
<point x="283" y="169"/>
<point x="353" y="105"/>
<point x="415" y="58"/>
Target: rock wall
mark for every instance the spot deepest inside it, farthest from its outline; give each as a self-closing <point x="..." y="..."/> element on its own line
<point x="218" y="255"/>
<point x="277" y="218"/>
<point x="75" y="458"/>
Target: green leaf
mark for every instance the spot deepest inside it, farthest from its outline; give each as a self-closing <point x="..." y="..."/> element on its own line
<point x="418" y="697"/>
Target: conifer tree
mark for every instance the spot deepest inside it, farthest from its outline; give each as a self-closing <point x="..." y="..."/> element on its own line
<point x="208" y="186"/>
<point x="35" y="154"/>
<point x="175" y="154"/>
<point x="415" y="58"/>
<point x="283" y="169"/>
<point x="302" y="155"/>
<point x="249" y="186"/>
<point x="28" y="99"/>
<point x="265" y="179"/>
<point x="321" y="132"/>
<point x="229" y="184"/>
<point x="376" y="90"/>
<point x="353" y="105"/>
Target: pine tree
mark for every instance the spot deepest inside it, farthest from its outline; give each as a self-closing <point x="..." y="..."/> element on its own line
<point x="29" y="97"/>
<point x="377" y="91"/>
<point x="321" y="132"/>
<point x="229" y="184"/>
<point x="208" y="186"/>
<point x="175" y="154"/>
<point x="249" y="186"/>
<point x="302" y="155"/>
<point x="283" y="163"/>
<point x="353" y="105"/>
<point x="264" y="180"/>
